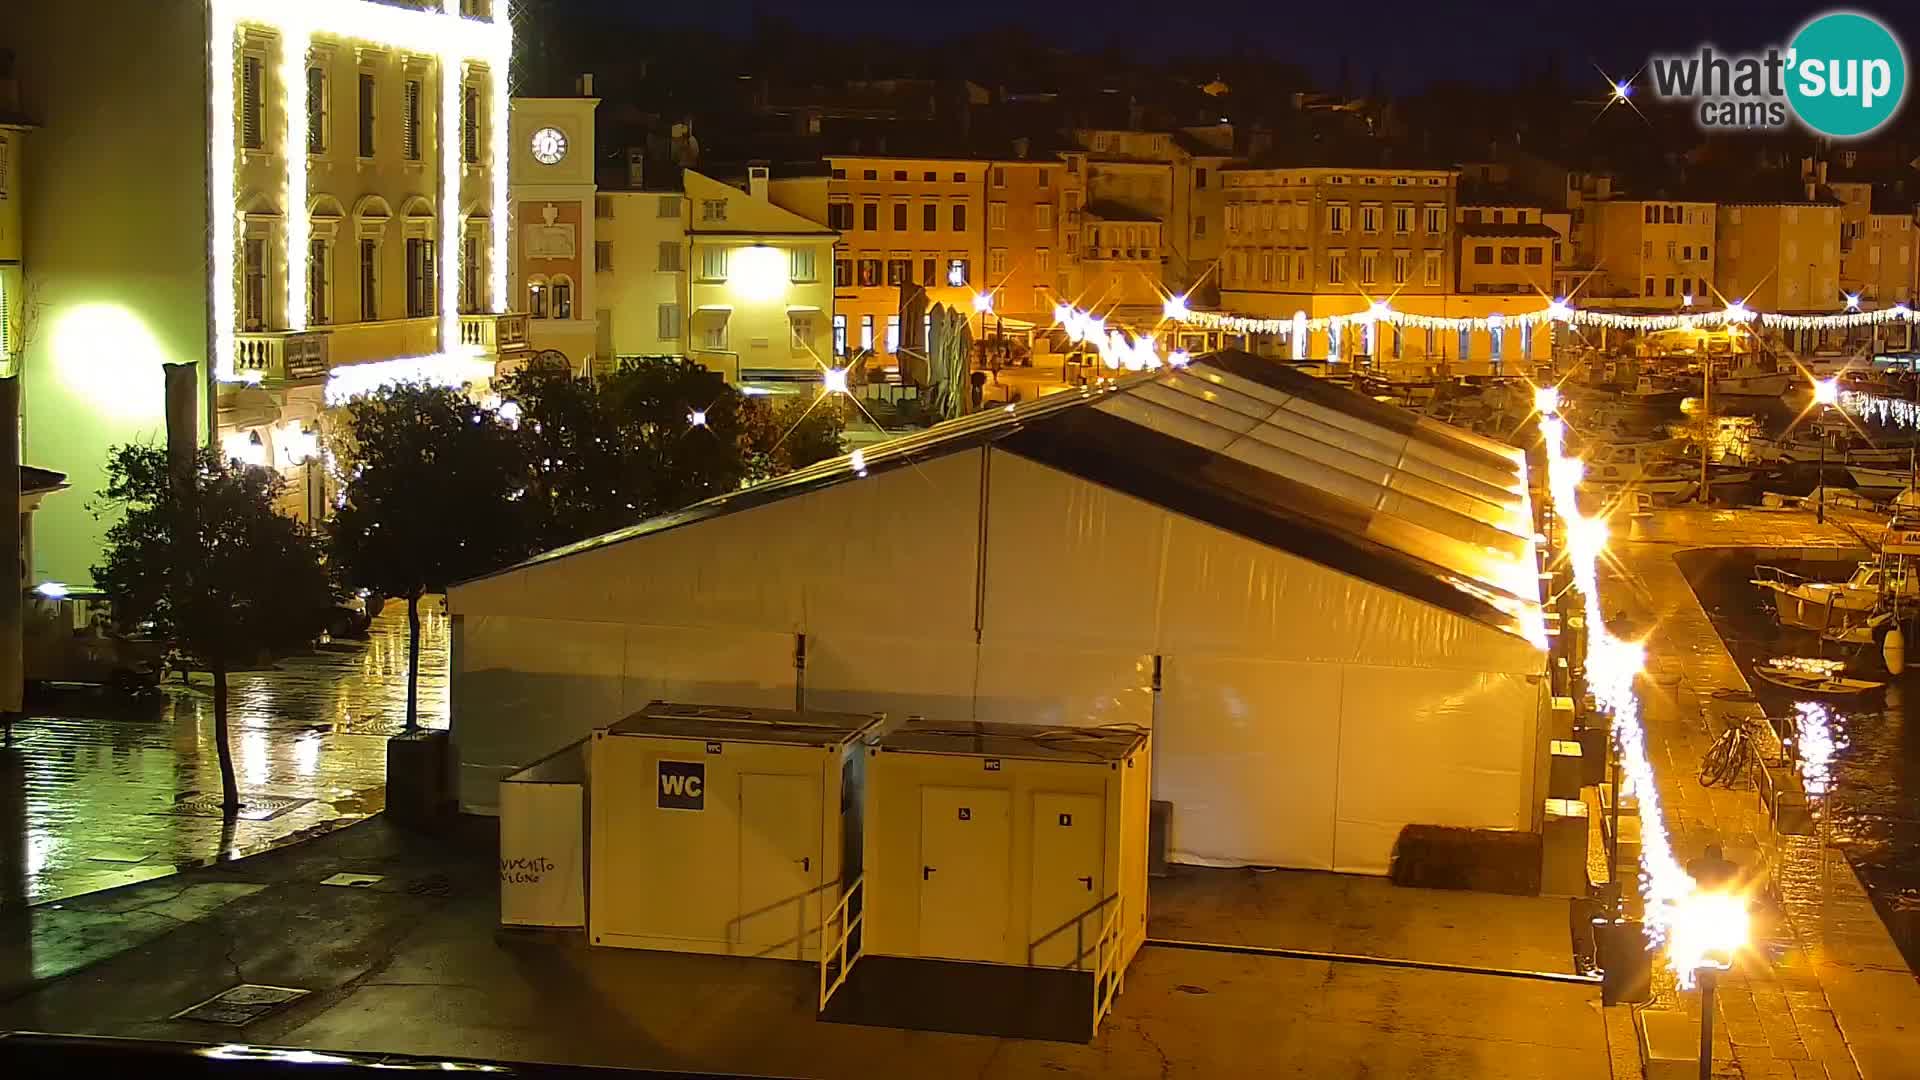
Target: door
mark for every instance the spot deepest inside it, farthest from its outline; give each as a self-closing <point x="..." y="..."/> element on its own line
<point x="779" y="865"/>
<point x="965" y="836"/>
<point x="1068" y="886"/>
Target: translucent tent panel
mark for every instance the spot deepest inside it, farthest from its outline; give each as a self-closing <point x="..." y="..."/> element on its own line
<point x="899" y="675"/>
<point x="1039" y="682"/>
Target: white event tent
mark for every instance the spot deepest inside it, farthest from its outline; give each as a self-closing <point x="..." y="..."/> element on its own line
<point x="1325" y="608"/>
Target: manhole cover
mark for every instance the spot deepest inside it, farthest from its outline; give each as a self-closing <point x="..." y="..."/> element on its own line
<point x="252" y="807"/>
<point x="241" y="1005"/>
<point x="431" y="885"/>
<point x="353" y="881"/>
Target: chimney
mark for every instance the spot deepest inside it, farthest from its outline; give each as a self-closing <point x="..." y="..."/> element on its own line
<point x="585" y="84"/>
<point x="757" y="179"/>
<point x="636" y="167"/>
<point x="1020" y="147"/>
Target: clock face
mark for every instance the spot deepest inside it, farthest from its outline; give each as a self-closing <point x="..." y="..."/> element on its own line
<point x="549" y="146"/>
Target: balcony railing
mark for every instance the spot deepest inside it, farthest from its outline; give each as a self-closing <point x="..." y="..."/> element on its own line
<point x="492" y="333"/>
<point x="282" y="356"/>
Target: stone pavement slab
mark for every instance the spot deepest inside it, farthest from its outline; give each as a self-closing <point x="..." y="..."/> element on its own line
<point x="418" y="964"/>
<point x="1828" y="990"/>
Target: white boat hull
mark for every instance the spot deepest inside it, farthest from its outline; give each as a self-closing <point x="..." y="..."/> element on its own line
<point x="1883" y="480"/>
<point x="1772" y="385"/>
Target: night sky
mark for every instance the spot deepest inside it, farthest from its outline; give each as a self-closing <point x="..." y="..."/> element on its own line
<point x="1408" y="42"/>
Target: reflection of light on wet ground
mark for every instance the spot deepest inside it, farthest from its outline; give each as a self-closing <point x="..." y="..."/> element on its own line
<point x="102" y="771"/>
<point x="1816" y="740"/>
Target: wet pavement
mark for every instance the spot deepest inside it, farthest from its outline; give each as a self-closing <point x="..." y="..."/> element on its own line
<point x="100" y="789"/>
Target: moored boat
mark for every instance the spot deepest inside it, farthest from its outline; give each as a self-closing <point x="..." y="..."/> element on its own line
<point x="1812" y="676"/>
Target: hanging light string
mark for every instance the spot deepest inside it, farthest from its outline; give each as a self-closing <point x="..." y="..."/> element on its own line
<point x="1733" y="314"/>
<point x="1676" y="914"/>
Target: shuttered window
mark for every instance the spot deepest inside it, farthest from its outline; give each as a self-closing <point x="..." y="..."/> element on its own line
<point x="250" y="120"/>
<point x="410" y="121"/>
<point x="366" y="114"/>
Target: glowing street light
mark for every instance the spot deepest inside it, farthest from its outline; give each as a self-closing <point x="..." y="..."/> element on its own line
<point x="983" y="303"/>
<point x="1706" y="929"/>
<point x="1826" y="392"/>
<point x="1622" y="91"/>
<point x="1853" y="301"/>
<point x="698" y="418"/>
<point x="1175" y="308"/>
<point x="1546" y="400"/>
<point x="834" y="380"/>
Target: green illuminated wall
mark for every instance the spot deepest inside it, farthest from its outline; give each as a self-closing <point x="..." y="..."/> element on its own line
<point x="116" y="240"/>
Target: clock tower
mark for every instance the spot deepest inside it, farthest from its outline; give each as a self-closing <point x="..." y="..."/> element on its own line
<point x="552" y="243"/>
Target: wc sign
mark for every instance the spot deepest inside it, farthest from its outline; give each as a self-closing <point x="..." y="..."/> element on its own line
<point x="683" y="785"/>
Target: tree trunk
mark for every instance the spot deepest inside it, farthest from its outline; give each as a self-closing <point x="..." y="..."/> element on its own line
<point x="229" y="787"/>
<point x="413" y="662"/>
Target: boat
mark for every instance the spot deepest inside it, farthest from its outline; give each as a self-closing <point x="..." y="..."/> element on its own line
<point x="1839" y="451"/>
<point x="1752" y="382"/>
<point x="1647" y="395"/>
<point x="1823" y="606"/>
<point x="1807" y="675"/>
<point x="1884" y="483"/>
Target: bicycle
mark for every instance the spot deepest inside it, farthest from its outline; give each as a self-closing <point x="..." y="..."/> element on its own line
<point x="1731" y="756"/>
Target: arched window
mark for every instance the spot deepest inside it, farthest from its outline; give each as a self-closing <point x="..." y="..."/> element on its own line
<point x="560" y="297"/>
<point x="537" y="297"/>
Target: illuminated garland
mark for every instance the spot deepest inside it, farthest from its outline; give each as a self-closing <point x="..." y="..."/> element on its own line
<point x="1734" y="314"/>
<point x="1691" y="924"/>
<point x="445" y="34"/>
<point x="1118" y="350"/>
<point x="1878" y="409"/>
<point x="452" y="370"/>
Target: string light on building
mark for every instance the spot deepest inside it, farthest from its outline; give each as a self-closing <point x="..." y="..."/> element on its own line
<point x="1733" y="314"/>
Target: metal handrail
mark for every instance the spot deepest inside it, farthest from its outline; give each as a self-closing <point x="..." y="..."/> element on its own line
<point x="1106" y="973"/>
<point x="849" y="921"/>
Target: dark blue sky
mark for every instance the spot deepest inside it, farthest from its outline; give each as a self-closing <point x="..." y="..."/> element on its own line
<point x="1410" y="42"/>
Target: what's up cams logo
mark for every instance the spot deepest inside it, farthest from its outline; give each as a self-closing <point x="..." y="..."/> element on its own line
<point x="1843" y="76"/>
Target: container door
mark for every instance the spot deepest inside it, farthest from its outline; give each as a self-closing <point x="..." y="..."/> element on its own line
<point x="779" y="865"/>
<point x="1069" y="851"/>
<point x="965" y="836"/>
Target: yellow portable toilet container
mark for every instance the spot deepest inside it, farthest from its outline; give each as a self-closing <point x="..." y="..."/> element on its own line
<point x="722" y="830"/>
<point x="1006" y="859"/>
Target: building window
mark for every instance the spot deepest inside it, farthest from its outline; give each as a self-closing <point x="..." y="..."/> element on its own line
<point x="958" y="271"/>
<point x="713" y="332"/>
<point x="1043" y="214"/>
<point x="603" y="207"/>
<point x="667" y="207"/>
<point x="1648" y="291"/>
<point x="866" y="333"/>
<point x="1466" y="343"/>
<point x="1652" y="215"/>
<point x="801" y="265"/>
<point x="1535" y="256"/>
<point x="929" y="176"/>
<point x="1482" y="255"/>
<point x="602" y="256"/>
<point x="252" y="125"/>
<point x="1671" y="287"/>
<point x="871" y="174"/>
<point x="930" y="216"/>
<point x="900" y="217"/>
<point x="893" y="333"/>
<point x="1044" y="179"/>
<point x="999" y="176"/>
<point x="1496" y="343"/>
<point x="1402" y="267"/>
<point x="898" y="270"/>
<point x="997" y="261"/>
<point x="899" y="174"/>
<point x="1199" y="226"/>
<point x="839" y="335"/>
<point x="959" y="177"/>
<point x="316" y="110"/>
<point x="667" y="317"/>
<point x="1042" y="261"/>
<point x="713" y="210"/>
<point x="1336" y="267"/>
<point x="842" y="273"/>
<point x="562" y="298"/>
<point x="959" y="217"/>
<point x="1367" y="260"/>
<point x="410" y="120"/>
<point x="1509" y="255"/>
<point x="1336" y="217"/>
<point x="1403" y="219"/>
<point x="366" y="114"/>
<point x="802" y="323"/>
<point x="839" y="174"/>
<point x="319" y="277"/>
<point x="1432" y="275"/>
<point x="537" y="298"/>
<point x="1436" y="218"/>
<point x="470" y="273"/>
<point x="713" y="263"/>
<point x="840" y="216"/>
<point x="1369" y="219"/>
<point x="669" y="255"/>
<point x="470" y="125"/>
<point x="997" y="215"/>
<point x="420" y="291"/>
<point x="254" y="271"/>
<point x="869" y="273"/>
<point x="870" y="216"/>
<point x="369" y="280"/>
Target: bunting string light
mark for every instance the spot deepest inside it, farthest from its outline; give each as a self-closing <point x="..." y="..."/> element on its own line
<point x="1675" y="914"/>
<point x="1879" y="409"/>
<point x="1559" y="311"/>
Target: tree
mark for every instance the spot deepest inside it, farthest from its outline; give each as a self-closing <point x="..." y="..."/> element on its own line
<point x="794" y="435"/>
<point x="207" y="560"/>
<point x="436" y="491"/>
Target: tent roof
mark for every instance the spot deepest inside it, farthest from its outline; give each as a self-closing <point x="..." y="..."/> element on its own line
<point x="1257" y="449"/>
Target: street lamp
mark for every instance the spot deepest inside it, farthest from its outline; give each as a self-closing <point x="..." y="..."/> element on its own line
<point x="1707" y="929"/>
<point x="1826" y="392"/>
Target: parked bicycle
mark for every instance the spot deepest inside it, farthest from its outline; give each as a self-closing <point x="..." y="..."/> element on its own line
<point x="1732" y="756"/>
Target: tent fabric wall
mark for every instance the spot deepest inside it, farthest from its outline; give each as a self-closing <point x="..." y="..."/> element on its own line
<point x="1305" y="713"/>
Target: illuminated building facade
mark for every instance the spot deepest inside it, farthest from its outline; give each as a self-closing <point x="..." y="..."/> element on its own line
<point x="303" y="199"/>
<point x="760" y="293"/>
<point x="556" y="248"/>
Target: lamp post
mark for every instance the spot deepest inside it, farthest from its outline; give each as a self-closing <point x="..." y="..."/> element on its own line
<point x="1825" y="393"/>
<point x="1708" y="927"/>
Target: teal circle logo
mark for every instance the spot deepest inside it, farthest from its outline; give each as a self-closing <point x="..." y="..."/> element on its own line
<point x="1847" y="74"/>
